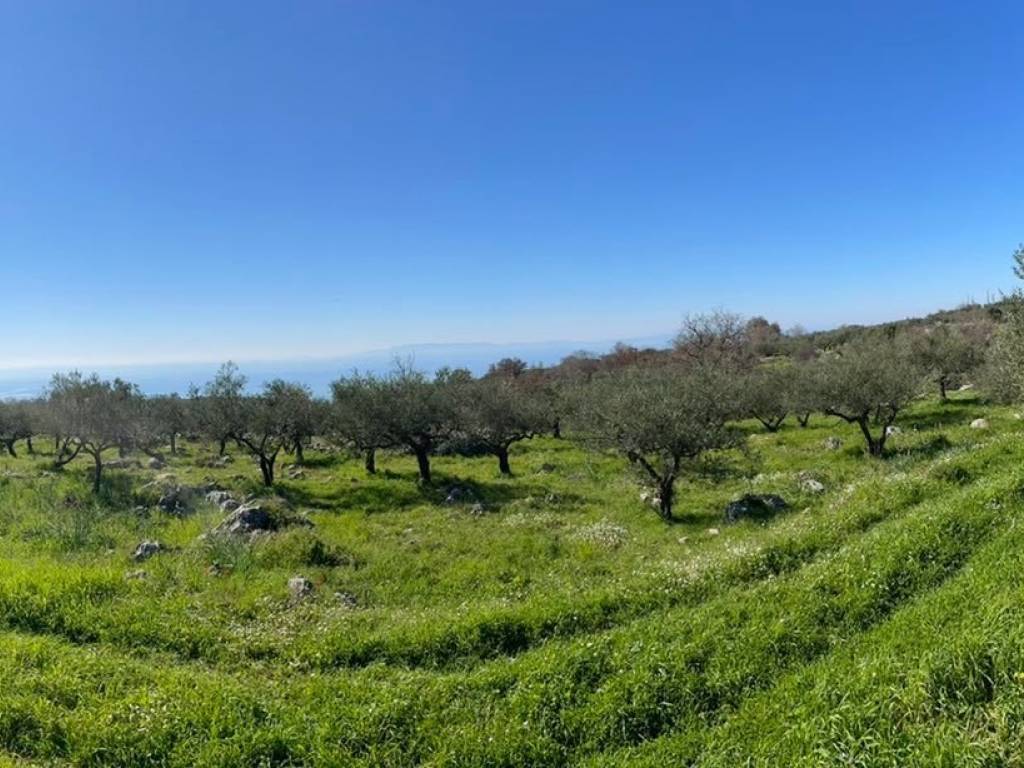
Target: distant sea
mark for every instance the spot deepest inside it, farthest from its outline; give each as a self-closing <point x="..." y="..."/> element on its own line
<point x="317" y="373"/>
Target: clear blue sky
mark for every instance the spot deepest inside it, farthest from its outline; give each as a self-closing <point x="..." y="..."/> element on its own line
<point x="197" y="180"/>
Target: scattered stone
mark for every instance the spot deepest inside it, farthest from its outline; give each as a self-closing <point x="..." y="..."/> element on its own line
<point x="347" y="599"/>
<point x="713" y="531"/>
<point x="296" y="473"/>
<point x="146" y="550"/>
<point x="892" y="430"/>
<point x="217" y="462"/>
<point x="833" y="443"/>
<point x="811" y="485"/>
<point x="754" y="506"/>
<point x="247" y="518"/>
<point x="683" y="539"/>
<point x="979" y="424"/>
<point x="459" y="494"/>
<point x="255" y="517"/>
<point x="156" y="463"/>
<point x="477" y="510"/>
<point x="965" y="387"/>
<point x="299" y="587"/>
<point x="136" y="575"/>
<point x="651" y="499"/>
<point x="546" y="468"/>
<point x="217" y="497"/>
<point x="123" y="464"/>
<point x="229" y="505"/>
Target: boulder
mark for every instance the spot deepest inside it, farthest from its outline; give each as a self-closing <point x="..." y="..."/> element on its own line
<point x="217" y="497"/>
<point x="833" y="443"/>
<point x="754" y="506"/>
<point x="176" y="499"/>
<point x="156" y="463"/>
<point x="477" y="510"/>
<point x="248" y="518"/>
<point x="229" y="505"/>
<point x="979" y="424"/>
<point x="892" y="430"/>
<point x="299" y="587"/>
<point x="146" y="550"/>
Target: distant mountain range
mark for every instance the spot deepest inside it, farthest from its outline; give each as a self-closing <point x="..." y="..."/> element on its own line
<point x="318" y="373"/>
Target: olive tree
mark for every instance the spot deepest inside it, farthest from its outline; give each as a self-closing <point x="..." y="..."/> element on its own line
<point x="168" y="417"/>
<point x="868" y="383"/>
<point x="408" y="408"/>
<point x="357" y="417"/>
<point x="494" y="413"/>
<point x="16" y="423"/>
<point x="804" y="394"/>
<point x="269" y="423"/>
<point x="221" y="408"/>
<point x="1004" y="361"/>
<point x="94" y="415"/>
<point x="947" y="353"/>
<point x="765" y="394"/>
<point x="659" y="419"/>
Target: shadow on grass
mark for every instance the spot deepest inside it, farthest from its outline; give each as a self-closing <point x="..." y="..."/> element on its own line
<point x="926" y="449"/>
<point x="952" y="413"/>
<point x="391" y="491"/>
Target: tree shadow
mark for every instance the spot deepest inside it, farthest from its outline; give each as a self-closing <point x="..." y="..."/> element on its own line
<point x="941" y="415"/>
<point x="391" y="491"/>
<point x="926" y="449"/>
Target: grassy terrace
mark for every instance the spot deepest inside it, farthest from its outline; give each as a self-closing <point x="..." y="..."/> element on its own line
<point x="879" y="622"/>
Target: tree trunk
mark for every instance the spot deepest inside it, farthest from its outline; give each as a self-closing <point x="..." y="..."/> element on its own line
<point x="9" y="445"/>
<point x="267" y="469"/>
<point x="503" y="466"/>
<point x="300" y="457"/>
<point x="942" y="390"/>
<point x="423" y="460"/>
<point x="97" y="458"/>
<point x="556" y="430"/>
<point x="121" y="450"/>
<point x="174" y="443"/>
<point x="29" y="446"/>
<point x="370" y="461"/>
<point x="666" y="495"/>
<point x="876" y="446"/>
<point x="223" y="446"/>
<point x="803" y="420"/>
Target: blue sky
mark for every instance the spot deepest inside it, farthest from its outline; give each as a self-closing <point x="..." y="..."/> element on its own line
<point x="198" y="181"/>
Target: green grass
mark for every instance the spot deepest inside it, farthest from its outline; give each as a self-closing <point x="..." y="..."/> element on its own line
<point x="877" y="623"/>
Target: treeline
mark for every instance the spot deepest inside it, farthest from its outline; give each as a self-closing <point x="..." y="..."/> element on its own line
<point x="661" y="409"/>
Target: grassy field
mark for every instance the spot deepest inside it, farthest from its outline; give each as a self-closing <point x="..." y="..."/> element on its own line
<point x="879" y="622"/>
